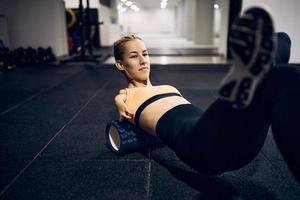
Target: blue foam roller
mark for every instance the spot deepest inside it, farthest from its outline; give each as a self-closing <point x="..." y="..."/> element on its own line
<point x="124" y="137"/>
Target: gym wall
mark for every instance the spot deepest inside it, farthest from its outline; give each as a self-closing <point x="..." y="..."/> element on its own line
<point x="150" y="21"/>
<point x="189" y="16"/>
<point x="285" y="15"/>
<point x="205" y="16"/>
<point x="195" y="21"/>
<point x="75" y="3"/>
<point x="3" y="23"/>
<point x="37" y="23"/>
<point x="110" y="30"/>
<point x="224" y="12"/>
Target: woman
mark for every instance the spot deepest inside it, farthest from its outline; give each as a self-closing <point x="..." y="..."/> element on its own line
<point x="228" y="135"/>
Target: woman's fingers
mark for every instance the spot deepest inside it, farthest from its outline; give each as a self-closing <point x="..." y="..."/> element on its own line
<point x="125" y="116"/>
<point x="128" y="112"/>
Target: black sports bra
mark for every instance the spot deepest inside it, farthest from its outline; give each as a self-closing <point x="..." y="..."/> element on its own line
<point x="149" y="101"/>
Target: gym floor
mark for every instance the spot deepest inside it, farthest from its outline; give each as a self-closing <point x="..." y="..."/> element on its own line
<point x="52" y="122"/>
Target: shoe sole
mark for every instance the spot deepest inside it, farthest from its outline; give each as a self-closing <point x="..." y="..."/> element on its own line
<point x="252" y="44"/>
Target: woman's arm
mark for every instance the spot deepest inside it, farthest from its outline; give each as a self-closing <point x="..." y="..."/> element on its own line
<point x="123" y="111"/>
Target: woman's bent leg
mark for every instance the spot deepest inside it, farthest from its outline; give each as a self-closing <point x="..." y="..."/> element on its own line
<point x="285" y="114"/>
<point x="236" y="136"/>
<point x="223" y="138"/>
<point x="220" y="139"/>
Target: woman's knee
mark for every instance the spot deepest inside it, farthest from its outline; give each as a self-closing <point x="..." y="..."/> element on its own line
<point x="279" y="81"/>
<point x="285" y="76"/>
<point x="207" y="162"/>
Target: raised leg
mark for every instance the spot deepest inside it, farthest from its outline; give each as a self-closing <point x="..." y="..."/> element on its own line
<point x="252" y="43"/>
<point x="284" y="98"/>
<point x="225" y="138"/>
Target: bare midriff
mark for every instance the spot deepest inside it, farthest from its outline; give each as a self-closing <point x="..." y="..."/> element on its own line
<point x="154" y="111"/>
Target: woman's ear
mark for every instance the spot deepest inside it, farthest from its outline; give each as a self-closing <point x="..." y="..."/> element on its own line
<point x="119" y="65"/>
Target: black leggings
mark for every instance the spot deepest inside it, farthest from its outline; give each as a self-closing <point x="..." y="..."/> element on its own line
<point x="223" y="138"/>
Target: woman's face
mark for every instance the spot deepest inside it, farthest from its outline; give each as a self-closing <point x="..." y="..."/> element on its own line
<point x="135" y="61"/>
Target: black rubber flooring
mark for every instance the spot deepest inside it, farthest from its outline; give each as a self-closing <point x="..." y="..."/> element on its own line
<point x="52" y="121"/>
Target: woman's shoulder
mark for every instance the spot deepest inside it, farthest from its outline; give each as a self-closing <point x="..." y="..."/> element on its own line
<point x="156" y="87"/>
<point x="165" y="86"/>
<point x="171" y="87"/>
<point x="150" y="87"/>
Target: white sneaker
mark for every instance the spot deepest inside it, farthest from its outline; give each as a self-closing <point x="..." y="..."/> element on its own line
<point x="252" y="44"/>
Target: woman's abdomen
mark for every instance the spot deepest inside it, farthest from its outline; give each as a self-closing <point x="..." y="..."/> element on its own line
<point x="153" y="112"/>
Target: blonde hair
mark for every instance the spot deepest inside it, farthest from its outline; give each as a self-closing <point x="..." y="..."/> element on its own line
<point x="119" y="45"/>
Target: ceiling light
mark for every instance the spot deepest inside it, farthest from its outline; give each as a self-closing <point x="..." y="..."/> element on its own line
<point x="119" y="6"/>
<point x="163" y="5"/>
<point x="216" y="6"/>
<point x="123" y="1"/>
<point x="133" y="7"/>
<point x="129" y="3"/>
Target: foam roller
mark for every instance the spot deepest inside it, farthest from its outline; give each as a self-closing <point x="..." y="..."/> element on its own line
<point x="124" y="137"/>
